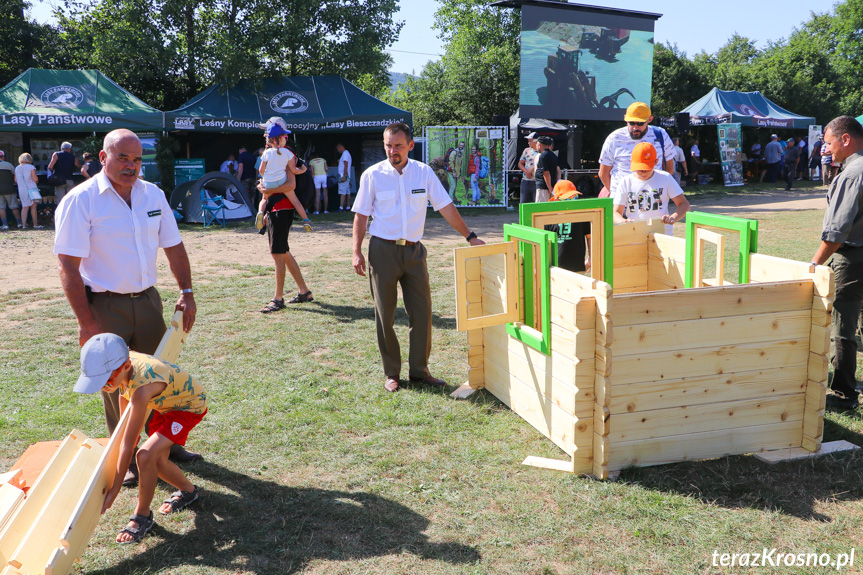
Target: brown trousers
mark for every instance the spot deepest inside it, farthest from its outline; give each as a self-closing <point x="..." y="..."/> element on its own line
<point x="390" y="266"/>
<point x="139" y="322"/>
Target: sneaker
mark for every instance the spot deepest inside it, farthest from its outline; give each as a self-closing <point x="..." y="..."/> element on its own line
<point x="842" y="403"/>
<point x="20" y="226"/>
<point x="259" y="221"/>
<point x="38" y="227"/>
<point x="316" y="213"/>
<point x="307" y="225"/>
<point x="325" y="211"/>
<point x="4" y="227"/>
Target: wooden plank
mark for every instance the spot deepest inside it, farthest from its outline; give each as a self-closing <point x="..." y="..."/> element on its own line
<point x="13" y="477"/>
<point x="44" y="533"/>
<point x="816" y="395"/>
<point x="579" y="374"/>
<point x="14" y="532"/>
<point x="701" y="418"/>
<point x="693" y="391"/>
<point x="543" y="415"/>
<point x="798" y="453"/>
<point x="710" y="361"/>
<point x="601" y="422"/>
<point x="539" y="379"/>
<point x="703" y="236"/>
<point x="632" y="276"/>
<point x="474" y="337"/>
<point x="580" y="464"/>
<point x="819" y="339"/>
<point x="665" y="272"/>
<point x="818" y="367"/>
<point x="472" y="315"/>
<point x="568" y="343"/>
<point x="573" y="315"/>
<point x="730" y="330"/>
<point x="629" y="255"/>
<point x="472" y="269"/>
<point x="636" y="232"/>
<point x="570" y="285"/>
<point x="602" y="390"/>
<point x="661" y="246"/>
<point x="473" y="291"/>
<point x="764" y="268"/>
<point x="601" y="456"/>
<point x="11" y="497"/>
<point x="813" y="423"/>
<point x="171" y="343"/>
<point x="693" y="446"/>
<point x="712" y="302"/>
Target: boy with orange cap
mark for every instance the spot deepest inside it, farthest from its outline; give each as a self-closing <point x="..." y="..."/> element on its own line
<point x="645" y="194"/>
<point x="572" y="254"/>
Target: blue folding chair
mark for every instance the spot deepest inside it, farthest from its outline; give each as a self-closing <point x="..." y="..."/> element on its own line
<point x="211" y="208"/>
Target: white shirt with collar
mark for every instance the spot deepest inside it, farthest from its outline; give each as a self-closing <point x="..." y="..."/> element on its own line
<point x="118" y="244"/>
<point x="345" y="157"/>
<point x="398" y="202"/>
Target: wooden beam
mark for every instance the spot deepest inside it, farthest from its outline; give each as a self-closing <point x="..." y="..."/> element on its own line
<point x="798" y="453"/>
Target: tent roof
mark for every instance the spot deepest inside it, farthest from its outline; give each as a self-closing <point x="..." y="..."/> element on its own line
<point x="72" y="101"/>
<point x="748" y="108"/>
<point x="309" y="104"/>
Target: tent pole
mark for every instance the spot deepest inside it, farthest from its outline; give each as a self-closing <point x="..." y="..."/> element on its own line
<point x="188" y="150"/>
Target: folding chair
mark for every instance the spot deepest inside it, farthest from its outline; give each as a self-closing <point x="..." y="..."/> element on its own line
<point x="211" y="208"/>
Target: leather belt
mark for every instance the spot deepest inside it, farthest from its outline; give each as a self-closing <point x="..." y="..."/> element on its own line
<point x="115" y="294"/>
<point x="401" y="242"/>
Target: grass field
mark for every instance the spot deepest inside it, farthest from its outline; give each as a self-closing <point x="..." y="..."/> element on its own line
<point x="312" y="468"/>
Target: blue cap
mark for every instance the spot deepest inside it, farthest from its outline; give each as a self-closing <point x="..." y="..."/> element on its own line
<point x="275" y="130"/>
<point x="101" y="355"/>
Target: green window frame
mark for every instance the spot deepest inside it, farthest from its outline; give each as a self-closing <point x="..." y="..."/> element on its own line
<point x="748" y="230"/>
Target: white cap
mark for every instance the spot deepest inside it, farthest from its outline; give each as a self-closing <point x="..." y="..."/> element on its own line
<point x="102" y="354"/>
<point x="531" y="136"/>
<point x="274" y="120"/>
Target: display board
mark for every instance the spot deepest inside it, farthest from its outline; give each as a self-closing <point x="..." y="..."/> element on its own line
<point x="730" y="154"/>
<point x="469" y="162"/>
<point x="583" y="63"/>
<point x="188" y="170"/>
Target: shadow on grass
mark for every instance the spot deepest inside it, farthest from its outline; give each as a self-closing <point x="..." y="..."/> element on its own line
<point x="794" y="488"/>
<point x="264" y="527"/>
<point x="350" y="314"/>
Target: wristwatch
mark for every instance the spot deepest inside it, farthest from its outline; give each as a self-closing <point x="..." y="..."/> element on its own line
<point x="187" y="290"/>
<point x="470" y="236"/>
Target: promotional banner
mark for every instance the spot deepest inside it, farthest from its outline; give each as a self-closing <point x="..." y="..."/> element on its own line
<point x="729" y="154"/>
<point x="469" y="162"/>
<point x="188" y="170"/>
<point x="149" y="169"/>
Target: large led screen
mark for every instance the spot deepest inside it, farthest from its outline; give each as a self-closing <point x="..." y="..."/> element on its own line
<point x="583" y="65"/>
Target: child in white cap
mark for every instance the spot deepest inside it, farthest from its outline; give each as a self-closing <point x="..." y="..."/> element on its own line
<point x="178" y="402"/>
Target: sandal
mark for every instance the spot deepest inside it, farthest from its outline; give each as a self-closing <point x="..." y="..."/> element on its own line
<point x="274" y="305"/>
<point x="302" y="297"/>
<point x="145" y="525"/>
<point x="307" y="225"/>
<point x="179" y="500"/>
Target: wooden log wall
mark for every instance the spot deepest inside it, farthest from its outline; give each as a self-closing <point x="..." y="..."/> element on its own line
<point x="630" y="255"/>
<point x="708" y="372"/>
<point x="666" y="262"/>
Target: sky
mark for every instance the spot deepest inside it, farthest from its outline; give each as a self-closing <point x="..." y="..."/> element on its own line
<point x="694" y="25"/>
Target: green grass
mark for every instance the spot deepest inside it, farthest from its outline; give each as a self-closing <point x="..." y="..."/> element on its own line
<point x="312" y="468"/>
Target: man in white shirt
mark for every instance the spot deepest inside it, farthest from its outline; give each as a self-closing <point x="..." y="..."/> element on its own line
<point x="616" y="152"/>
<point x="345" y="163"/>
<point x="396" y="193"/>
<point x="108" y="232"/>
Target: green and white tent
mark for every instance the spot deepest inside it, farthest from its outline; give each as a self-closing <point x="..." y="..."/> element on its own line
<point x="72" y="101"/>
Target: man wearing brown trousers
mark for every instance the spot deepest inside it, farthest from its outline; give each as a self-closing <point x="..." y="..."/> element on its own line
<point x="108" y="232"/>
<point x="396" y="192"/>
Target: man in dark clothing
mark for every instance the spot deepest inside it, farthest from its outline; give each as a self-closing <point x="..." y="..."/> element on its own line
<point x="547" y="169"/>
<point x="63" y="163"/>
<point x="842" y="238"/>
<point x="792" y="156"/>
<point x="246" y="172"/>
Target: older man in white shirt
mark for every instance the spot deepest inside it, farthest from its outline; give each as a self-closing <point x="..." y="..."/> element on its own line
<point x="396" y="192"/>
<point x="108" y="233"/>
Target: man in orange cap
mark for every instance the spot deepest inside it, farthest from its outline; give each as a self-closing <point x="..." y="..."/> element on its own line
<point x="572" y="254"/>
<point x="645" y="194"/>
<point x="614" y="160"/>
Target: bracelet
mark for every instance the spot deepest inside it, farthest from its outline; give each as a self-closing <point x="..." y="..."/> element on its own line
<point x="814" y="264"/>
<point x="187" y="290"/>
<point x="470" y="236"/>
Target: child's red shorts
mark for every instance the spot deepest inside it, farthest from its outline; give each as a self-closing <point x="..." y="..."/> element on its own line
<point x="175" y="425"/>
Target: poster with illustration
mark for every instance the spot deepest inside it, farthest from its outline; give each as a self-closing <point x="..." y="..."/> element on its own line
<point x="469" y="162"/>
<point x="729" y="145"/>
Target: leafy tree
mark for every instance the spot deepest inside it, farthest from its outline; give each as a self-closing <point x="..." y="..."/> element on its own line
<point x="21" y="38"/>
<point x="677" y="81"/>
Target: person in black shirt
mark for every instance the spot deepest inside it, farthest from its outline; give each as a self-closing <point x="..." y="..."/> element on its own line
<point x="547" y="169"/>
<point x="572" y="252"/>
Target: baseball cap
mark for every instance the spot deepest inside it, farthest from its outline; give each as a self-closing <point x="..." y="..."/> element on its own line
<point x="790" y="140"/>
<point x="637" y="112"/>
<point x="2" y="153"/>
<point x="276" y="130"/>
<point x="545" y="140"/>
<point x="102" y="354"/>
<point x="643" y="157"/>
<point x="531" y="136"/>
<point x="564" y="190"/>
<point x="273" y="120"/>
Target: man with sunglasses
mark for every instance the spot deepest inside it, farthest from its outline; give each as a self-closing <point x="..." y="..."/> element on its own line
<point x="616" y="156"/>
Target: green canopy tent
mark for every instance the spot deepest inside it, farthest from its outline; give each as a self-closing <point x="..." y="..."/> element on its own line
<point x="72" y="101"/>
<point x="748" y="108"/>
<point x="309" y="105"/>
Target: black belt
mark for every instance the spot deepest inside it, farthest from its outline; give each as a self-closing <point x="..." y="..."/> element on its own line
<point x="848" y="248"/>
<point x="115" y="294"/>
<point x="397" y="242"/>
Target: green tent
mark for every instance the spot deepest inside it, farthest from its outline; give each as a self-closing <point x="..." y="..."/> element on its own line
<point x="309" y="105"/>
<point x="72" y="101"/>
